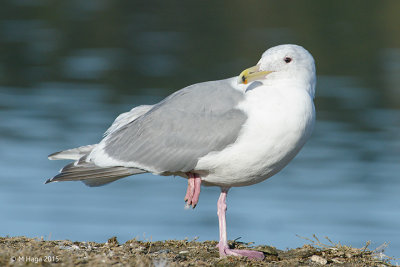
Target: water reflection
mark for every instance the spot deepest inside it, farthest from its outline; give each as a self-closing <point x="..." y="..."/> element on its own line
<point x="67" y="69"/>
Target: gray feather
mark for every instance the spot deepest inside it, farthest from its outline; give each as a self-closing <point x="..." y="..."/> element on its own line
<point x="127" y="117"/>
<point x="185" y="126"/>
<point x="74" y="153"/>
<point x="91" y="174"/>
<point x="253" y="85"/>
<point x="99" y="181"/>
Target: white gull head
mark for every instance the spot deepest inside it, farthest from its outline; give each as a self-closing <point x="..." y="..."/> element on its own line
<point x="283" y="64"/>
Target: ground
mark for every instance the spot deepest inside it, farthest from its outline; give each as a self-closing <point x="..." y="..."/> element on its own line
<point x="17" y="251"/>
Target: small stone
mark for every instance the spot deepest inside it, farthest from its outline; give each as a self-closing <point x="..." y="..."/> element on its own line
<point x="183" y="252"/>
<point x="140" y="248"/>
<point x="73" y="247"/>
<point x="268" y="250"/>
<point x="164" y="251"/>
<point x="319" y="259"/>
<point x="338" y="260"/>
<point x="349" y="255"/>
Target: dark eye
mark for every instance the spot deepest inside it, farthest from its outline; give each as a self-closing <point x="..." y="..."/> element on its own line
<point x="287" y="59"/>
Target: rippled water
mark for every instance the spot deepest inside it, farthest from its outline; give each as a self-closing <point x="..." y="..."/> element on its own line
<point x="67" y="70"/>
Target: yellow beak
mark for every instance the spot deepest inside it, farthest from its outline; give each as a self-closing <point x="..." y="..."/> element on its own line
<point x="252" y="74"/>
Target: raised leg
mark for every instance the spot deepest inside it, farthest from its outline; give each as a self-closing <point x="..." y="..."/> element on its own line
<point x="193" y="189"/>
<point x="223" y="247"/>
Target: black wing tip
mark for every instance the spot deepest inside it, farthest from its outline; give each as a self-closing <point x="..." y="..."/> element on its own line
<point x="49" y="181"/>
<point x="54" y="179"/>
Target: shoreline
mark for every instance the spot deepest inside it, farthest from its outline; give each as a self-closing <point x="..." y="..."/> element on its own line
<point x="17" y="251"/>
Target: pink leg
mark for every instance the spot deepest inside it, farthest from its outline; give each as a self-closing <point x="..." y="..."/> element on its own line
<point x="190" y="189"/>
<point x="193" y="189"/>
<point x="223" y="247"/>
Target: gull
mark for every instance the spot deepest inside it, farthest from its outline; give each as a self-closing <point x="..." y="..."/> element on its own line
<point x="228" y="133"/>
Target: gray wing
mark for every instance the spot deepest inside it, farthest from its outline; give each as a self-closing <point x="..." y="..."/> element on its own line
<point x="123" y="119"/>
<point x="127" y="117"/>
<point x="182" y="128"/>
<point x="89" y="173"/>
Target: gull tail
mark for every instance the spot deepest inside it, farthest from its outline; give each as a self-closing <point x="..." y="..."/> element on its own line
<point x="88" y="172"/>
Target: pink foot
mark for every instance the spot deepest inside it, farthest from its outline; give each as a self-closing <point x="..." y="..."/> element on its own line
<point x="251" y="254"/>
<point x="193" y="189"/>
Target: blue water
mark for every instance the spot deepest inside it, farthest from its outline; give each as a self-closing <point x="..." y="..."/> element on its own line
<point x="62" y="86"/>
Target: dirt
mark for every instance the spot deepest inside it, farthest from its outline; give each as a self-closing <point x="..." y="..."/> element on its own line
<point x="18" y="251"/>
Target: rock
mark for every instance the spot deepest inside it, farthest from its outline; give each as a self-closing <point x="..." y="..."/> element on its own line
<point x="319" y="259"/>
